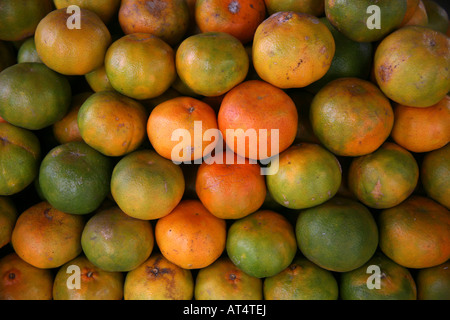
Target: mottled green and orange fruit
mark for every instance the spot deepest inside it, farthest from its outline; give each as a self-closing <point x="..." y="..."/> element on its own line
<point x="276" y="62"/>
<point x="393" y="283"/>
<point x="105" y="9"/>
<point x="434" y="283"/>
<point x="301" y="280"/>
<point x="19" y="280"/>
<point x="412" y="66"/>
<point x="312" y="7"/>
<point x="20" y="154"/>
<point x="72" y="51"/>
<point x="19" y="19"/>
<point x="418" y="18"/>
<point x="416" y="233"/>
<point x="411" y="7"/>
<point x="360" y="22"/>
<point x="261" y="244"/>
<point x="143" y="173"/>
<point x="46" y="237"/>
<point x="98" y="80"/>
<point x="94" y="283"/>
<point x="351" y="117"/>
<point x="384" y="178"/>
<point x="307" y="175"/>
<point x="8" y="217"/>
<point x="211" y="63"/>
<point x="222" y="280"/>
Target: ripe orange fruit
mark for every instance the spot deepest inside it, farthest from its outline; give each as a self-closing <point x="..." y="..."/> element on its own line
<point x="419" y="16"/>
<point x="351" y="117"/>
<point x="115" y="242"/>
<point x="105" y="9"/>
<point x="261" y="244"/>
<point x="190" y="236"/>
<point x="416" y="233"/>
<point x="166" y="19"/>
<point x="276" y="62"/>
<point x="313" y="7"/>
<point x="257" y="120"/>
<point x="211" y="63"/>
<point x="308" y="175"/>
<point x="411" y="7"/>
<point x="301" y="280"/>
<point x="422" y="129"/>
<point x="222" y="280"/>
<point x="339" y="235"/>
<point x="19" y="280"/>
<point x="46" y="237"/>
<point x="147" y="186"/>
<point x="166" y="121"/>
<point x="384" y="178"/>
<point x="112" y="123"/>
<point x="95" y="283"/>
<point x="159" y="279"/>
<point x="412" y="66"/>
<point x="140" y="66"/>
<point x="72" y="51"/>
<point x="19" y="19"/>
<point x="230" y="188"/>
<point x="240" y="18"/>
<point x="8" y="217"/>
<point x="98" y="80"/>
<point x="434" y="283"/>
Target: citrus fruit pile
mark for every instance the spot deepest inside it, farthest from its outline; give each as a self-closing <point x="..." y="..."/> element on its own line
<point x="224" y="149"/>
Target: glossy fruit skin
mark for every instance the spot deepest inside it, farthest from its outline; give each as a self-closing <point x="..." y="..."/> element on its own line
<point x="159" y="279"/>
<point x="415" y="80"/>
<point x="339" y="235"/>
<point x="419" y="16"/>
<point x="46" y="97"/>
<point x="147" y="186"/>
<point x="308" y="175"/>
<point x="95" y="283"/>
<point x="396" y="282"/>
<point x="18" y="146"/>
<point x="302" y="280"/>
<point x="224" y="281"/>
<point x="434" y="283"/>
<point x="261" y="244"/>
<point x="8" y="217"/>
<point x="415" y="233"/>
<point x="62" y="165"/>
<point x="116" y="242"/>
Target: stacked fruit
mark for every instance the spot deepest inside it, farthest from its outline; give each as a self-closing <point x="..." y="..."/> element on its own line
<point x="123" y="172"/>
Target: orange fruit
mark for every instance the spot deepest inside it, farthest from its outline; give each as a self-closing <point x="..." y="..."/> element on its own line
<point x="98" y="80"/>
<point x="8" y="217"/>
<point x="115" y="242"/>
<point x="140" y="66"/>
<point x="437" y="16"/>
<point x="339" y="235"/>
<point x="159" y="279"/>
<point x="72" y="51"/>
<point x="240" y="18"/>
<point x="166" y="19"/>
<point x="351" y="117"/>
<point x="66" y="130"/>
<point x="19" y="19"/>
<point x="176" y="129"/>
<point x="222" y="280"/>
<point x="46" y="237"/>
<point x="422" y="129"/>
<point x="384" y="178"/>
<point x="419" y="17"/>
<point x="276" y="62"/>
<point x="32" y="96"/>
<point x="20" y="154"/>
<point x="257" y="120"/>
<point x="112" y="123"/>
<point x="261" y="244"/>
<point x="412" y="66"/>
<point x="395" y="282"/>
<point x="95" y="283"/>
<point x="435" y="175"/>
<point x="354" y="18"/>
<point x="105" y="9"/>
<point x="190" y="236"/>
<point x="411" y="7"/>
<point x="143" y="173"/>
<point x="211" y="63"/>
<point x="308" y="175"/>
<point x="27" y="52"/>
<point x="313" y="7"/>
<point x="301" y="280"/>
<point x="20" y="280"/>
<point x="416" y="233"/>
<point x="230" y="187"/>
<point x="434" y="283"/>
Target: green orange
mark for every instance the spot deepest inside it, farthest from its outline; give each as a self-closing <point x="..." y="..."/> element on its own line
<point x="8" y="217"/>
<point x="27" y="52"/>
<point x="437" y="16"/>
<point x="434" y="283"/>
